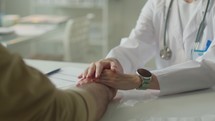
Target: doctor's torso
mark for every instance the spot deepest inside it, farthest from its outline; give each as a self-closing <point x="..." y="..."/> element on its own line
<point x="147" y="38"/>
<point x="183" y="24"/>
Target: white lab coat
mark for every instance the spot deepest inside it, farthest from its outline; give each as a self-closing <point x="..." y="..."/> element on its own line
<point x="146" y="40"/>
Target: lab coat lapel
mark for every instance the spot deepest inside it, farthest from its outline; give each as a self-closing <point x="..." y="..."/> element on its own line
<point x="160" y="19"/>
<point x="175" y="28"/>
<point x="175" y="31"/>
<point x="190" y="30"/>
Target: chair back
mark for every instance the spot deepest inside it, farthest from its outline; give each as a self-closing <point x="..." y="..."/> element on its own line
<point x="76" y="40"/>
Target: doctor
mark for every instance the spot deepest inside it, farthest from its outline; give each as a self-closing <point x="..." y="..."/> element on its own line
<point x="172" y="31"/>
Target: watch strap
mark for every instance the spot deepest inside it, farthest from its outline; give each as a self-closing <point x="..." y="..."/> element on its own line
<point x="145" y="82"/>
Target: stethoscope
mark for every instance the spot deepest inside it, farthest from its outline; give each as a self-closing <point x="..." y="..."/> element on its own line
<point x="166" y="52"/>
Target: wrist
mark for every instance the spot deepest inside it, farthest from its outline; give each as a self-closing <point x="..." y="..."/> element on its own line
<point x="137" y="81"/>
<point x="98" y="90"/>
<point x="155" y="84"/>
<point x="111" y="92"/>
<point x="101" y="96"/>
<point x="145" y="78"/>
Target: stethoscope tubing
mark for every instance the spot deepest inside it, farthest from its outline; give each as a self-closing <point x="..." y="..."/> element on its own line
<point x="199" y="33"/>
<point x="166" y="24"/>
<point x="201" y="28"/>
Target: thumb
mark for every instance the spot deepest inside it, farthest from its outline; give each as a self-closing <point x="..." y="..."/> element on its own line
<point x="114" y="67"/>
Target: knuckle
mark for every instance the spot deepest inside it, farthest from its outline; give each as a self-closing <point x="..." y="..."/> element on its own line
<point x="99" y="63"/>
<point x="92" y="64"/>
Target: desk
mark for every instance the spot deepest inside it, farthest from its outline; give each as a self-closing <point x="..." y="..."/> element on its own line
<point x="192" y="106"/>
<point x="43" y="64"/>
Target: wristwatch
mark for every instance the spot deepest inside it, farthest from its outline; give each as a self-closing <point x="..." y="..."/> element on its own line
<point x="145" y="77"/>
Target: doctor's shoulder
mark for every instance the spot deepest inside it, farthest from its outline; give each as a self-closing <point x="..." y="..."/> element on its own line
<point x="157" y="4"/>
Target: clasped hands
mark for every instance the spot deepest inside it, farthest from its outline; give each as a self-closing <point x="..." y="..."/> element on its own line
<point x="110" y="73"/>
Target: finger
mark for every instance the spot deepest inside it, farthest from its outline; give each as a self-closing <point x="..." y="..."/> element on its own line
<point x="113" y="66"/>
<point x="84" y="75"/>
<point x="78" y="84"/>
<point x="101" y="65"/>
<point x="89" y="80"/>
<point x="80" y="76"/>
<point x="91" y="71"/>
<point x="79" y="81"/>
<point x="107" y="64"/>
<point x="99" y="69"/>
<point x="86" y="81"/>
<point x="104" y="76"/>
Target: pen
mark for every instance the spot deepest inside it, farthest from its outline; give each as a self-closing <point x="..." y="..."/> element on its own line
<point x="53" y="72"/>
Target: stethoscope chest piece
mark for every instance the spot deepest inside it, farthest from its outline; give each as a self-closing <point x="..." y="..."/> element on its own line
<point x="166" y="53"/>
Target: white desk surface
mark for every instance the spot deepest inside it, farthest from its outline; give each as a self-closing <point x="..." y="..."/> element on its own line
<point x="143" y="106"/>
<point x="43" y="64"/>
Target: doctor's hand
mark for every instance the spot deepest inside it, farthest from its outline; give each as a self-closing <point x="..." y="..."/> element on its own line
<point x="121" y="81"/>
<point x="118" y="80"/>
<point x="124" y="81"/>
<point x="96" y="68"/>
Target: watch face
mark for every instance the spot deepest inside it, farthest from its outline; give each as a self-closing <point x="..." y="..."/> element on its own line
<point x="144" y="72"/>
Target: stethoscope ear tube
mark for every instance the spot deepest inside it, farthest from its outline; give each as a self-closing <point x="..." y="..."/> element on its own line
<point x="166" y="24"/>
<point x="201" y="28"/>
<point x="166" y="52"/>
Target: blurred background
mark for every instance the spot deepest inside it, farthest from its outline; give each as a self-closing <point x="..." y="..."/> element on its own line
<point x="66" y="30"/>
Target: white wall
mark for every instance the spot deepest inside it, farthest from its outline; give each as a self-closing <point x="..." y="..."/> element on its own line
<point x="123" y="15"/>
<point x="21" y="7"/>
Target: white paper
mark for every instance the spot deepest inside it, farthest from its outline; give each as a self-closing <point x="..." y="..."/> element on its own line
<point x="66" y="77"/>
